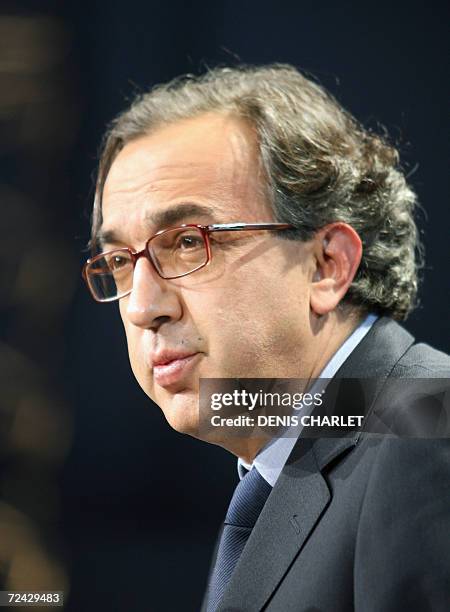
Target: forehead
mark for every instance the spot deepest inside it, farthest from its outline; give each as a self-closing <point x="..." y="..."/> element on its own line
<point x="211" y="160"/>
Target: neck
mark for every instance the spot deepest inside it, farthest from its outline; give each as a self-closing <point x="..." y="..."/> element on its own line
<point x="327" y="334"/>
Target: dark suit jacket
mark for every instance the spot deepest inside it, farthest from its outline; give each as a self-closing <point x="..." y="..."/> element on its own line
<point x="356" y="523"/>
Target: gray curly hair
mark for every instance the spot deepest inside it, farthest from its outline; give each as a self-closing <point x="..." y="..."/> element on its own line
<point x="321" y="166"/>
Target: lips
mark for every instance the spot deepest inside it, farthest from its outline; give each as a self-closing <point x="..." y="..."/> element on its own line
<point x="167" y="356"/>
<point x="171" y="367"/>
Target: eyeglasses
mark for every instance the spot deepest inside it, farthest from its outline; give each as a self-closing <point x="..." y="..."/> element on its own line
<point x="173" y="252"/>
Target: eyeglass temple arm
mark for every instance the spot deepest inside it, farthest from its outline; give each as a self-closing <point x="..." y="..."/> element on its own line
<point x="223" y="227"/>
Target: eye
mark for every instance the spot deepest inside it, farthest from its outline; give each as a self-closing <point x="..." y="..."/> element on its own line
<point x="188" y="242"/>
<point x="117" y="262"/>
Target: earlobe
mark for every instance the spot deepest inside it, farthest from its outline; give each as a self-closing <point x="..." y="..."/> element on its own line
<point x="338" y="255"/>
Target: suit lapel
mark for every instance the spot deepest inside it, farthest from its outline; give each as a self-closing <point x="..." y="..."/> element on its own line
<point x="301" y="494"/>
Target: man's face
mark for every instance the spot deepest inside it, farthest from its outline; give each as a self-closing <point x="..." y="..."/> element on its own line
<point x="244" y="315"/>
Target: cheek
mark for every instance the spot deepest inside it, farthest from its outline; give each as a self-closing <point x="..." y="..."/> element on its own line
<point x="255" y="316"/>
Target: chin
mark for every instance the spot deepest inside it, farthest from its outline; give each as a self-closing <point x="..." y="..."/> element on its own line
<point x="182" y="413"/>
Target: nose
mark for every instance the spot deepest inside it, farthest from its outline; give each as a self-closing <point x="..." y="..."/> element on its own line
<point x="153" y="301"/>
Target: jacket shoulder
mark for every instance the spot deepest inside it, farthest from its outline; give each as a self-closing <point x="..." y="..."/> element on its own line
<point x="424" y="361"/>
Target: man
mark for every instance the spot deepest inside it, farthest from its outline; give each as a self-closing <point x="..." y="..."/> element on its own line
<point x="250" y="228"/>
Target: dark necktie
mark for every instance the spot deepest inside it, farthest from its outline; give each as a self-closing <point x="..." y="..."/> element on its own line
<point x="246" y="504"/>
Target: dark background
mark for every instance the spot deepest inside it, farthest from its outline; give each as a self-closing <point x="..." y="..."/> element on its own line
<point x="98" y="495"/>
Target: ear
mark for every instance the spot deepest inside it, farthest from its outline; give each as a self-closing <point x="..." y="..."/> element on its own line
<point x="338" y="252"/>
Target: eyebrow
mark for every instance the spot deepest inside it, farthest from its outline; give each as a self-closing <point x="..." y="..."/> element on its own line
<point x="161" y="219"/>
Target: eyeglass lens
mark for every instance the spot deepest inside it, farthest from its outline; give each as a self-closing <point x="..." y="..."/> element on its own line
<point x="174" y="252"/>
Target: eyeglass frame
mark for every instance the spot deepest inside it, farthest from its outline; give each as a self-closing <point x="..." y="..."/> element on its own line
<point x="146" y="252"/>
